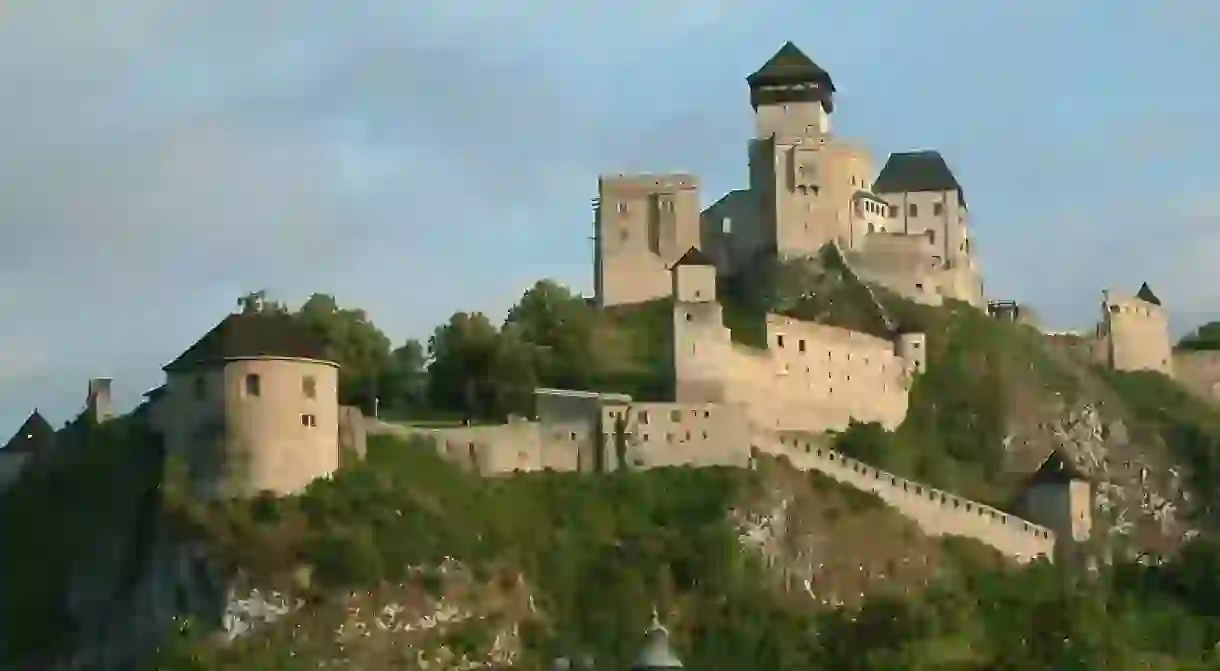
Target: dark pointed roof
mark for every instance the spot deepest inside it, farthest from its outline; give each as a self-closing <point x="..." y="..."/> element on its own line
<point x="35" y="435"/>
<point x="914" y="171"/>
<point x="1057" y="469"/>
<point x="790" y="65"/>
<point x="244" y="336"/>
<point x="694" y="257"/>
<point x="1145" y="294"/>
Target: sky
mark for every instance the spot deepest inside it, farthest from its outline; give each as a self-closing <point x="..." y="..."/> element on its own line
<point x="159" y="158"/>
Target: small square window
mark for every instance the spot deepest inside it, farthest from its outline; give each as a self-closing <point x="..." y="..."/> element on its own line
<point x="253" y="385"/>
<point x="309" y="420"/>
<point x="913" y="210"/>
<point x="938" y="209"/>
<point x="675" y="415"/>
<point x="309" y="386"/>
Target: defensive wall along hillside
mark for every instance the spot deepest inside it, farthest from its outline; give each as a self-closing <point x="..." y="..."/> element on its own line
<point x="938" y="513"/>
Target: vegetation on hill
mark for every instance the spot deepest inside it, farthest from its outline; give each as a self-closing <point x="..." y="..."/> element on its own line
<point x="598" y="551"/>
<point x="595" y="552"/>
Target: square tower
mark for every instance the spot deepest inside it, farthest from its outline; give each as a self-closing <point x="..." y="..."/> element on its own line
<point x="804" y="181"/>
<point x="642" y="225"/>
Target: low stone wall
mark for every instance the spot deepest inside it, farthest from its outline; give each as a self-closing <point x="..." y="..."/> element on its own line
<point x="522" y="446"/>
<point x="938" y="513"/>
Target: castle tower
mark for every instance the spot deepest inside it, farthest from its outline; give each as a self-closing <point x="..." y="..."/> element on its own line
<point x="925" y="199"/>
<point x="791" y="95"/>
<point x="699" y="335"/>
<point x="803" y="183"/>
<point x="913" y="347"/>
<point x="642" y="225"/>
<point x="1060" y="497"/>
<point x="1134" y="332"/>
<point x="97" y="402"/>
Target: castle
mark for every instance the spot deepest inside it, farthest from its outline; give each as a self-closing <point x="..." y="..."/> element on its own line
<point x="906" y="228"/>
<point x="253" y="405"/>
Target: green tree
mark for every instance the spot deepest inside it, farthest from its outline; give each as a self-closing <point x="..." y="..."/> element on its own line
<point x="560" y="326"/>
<point x="463" y="353"/>
<point x="1206" y="337"/>
<point x="360" y="348"/>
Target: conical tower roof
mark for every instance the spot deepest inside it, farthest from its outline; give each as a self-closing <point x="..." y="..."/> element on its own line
<point x="656" y="652"/>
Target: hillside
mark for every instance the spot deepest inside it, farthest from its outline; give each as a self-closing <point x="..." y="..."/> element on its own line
<point x="404" y="561"/>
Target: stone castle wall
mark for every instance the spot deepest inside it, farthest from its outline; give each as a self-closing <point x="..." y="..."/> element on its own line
<point x="1199" y="372"/>
<point x="938" y="513"/>
<point x="811" y="377"/>
<point x="655" y="435"/>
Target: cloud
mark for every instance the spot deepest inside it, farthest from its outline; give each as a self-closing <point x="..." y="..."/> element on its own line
<point x="160" y="157"/>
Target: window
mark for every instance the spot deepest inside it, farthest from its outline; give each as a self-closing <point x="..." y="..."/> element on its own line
<point x="675" y="415"/>
<point x="779" y="340"/>
<point x="253" y="385"/>
<point x="800" y="345"/>
<point x="912" y="210"/>
<point x="622" y="208"/>
<point x="893" y="211"/>
<point x="201" y="386"/>
<point x="938" y="209"/>
<point x="309" y="386"/>
<point x="643" y="417"/>
<point x="726" y="225"/>
<point x="309" y="420"/>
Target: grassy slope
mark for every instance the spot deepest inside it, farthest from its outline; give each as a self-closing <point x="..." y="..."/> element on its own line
<point x="596" y="551"/>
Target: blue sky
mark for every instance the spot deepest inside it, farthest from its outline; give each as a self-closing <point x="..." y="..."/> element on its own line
<point x="160" y="157"/>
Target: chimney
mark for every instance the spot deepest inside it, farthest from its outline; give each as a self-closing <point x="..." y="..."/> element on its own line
<point x="97" y="404"/>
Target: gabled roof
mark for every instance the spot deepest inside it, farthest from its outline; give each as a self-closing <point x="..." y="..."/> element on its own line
<point x="1145" y="294"/>
<point x="254" y="335"/>
<point x="913" y="171"/>
<point x="35" y="435"/>
<point x="1057" y="469"/>
<point x="790" y="65"/>
<point x="694" y="257"/>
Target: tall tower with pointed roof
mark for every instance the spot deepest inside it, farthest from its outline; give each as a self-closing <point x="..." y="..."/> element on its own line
<point x="791" y="95"/>
<point x="804" y="183"/>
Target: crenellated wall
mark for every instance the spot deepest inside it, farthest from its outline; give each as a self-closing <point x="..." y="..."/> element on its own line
<point x="938" y="513"/>
<point x="653" y="435"/>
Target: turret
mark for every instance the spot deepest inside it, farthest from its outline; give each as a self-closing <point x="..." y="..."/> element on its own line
<point x="1060" y="497"/>
<point x="656" y="652"/>
<point x="694" y="278"/>
<point x="97" y="402"/>
<point x="913" y="347"/>
<point x="791" y="94"/>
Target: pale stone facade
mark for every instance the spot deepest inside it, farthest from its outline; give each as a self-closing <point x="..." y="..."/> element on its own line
<point x="906" y="227"/>
<point x="1134" y="333"/>
<point x="250" y="425"/>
